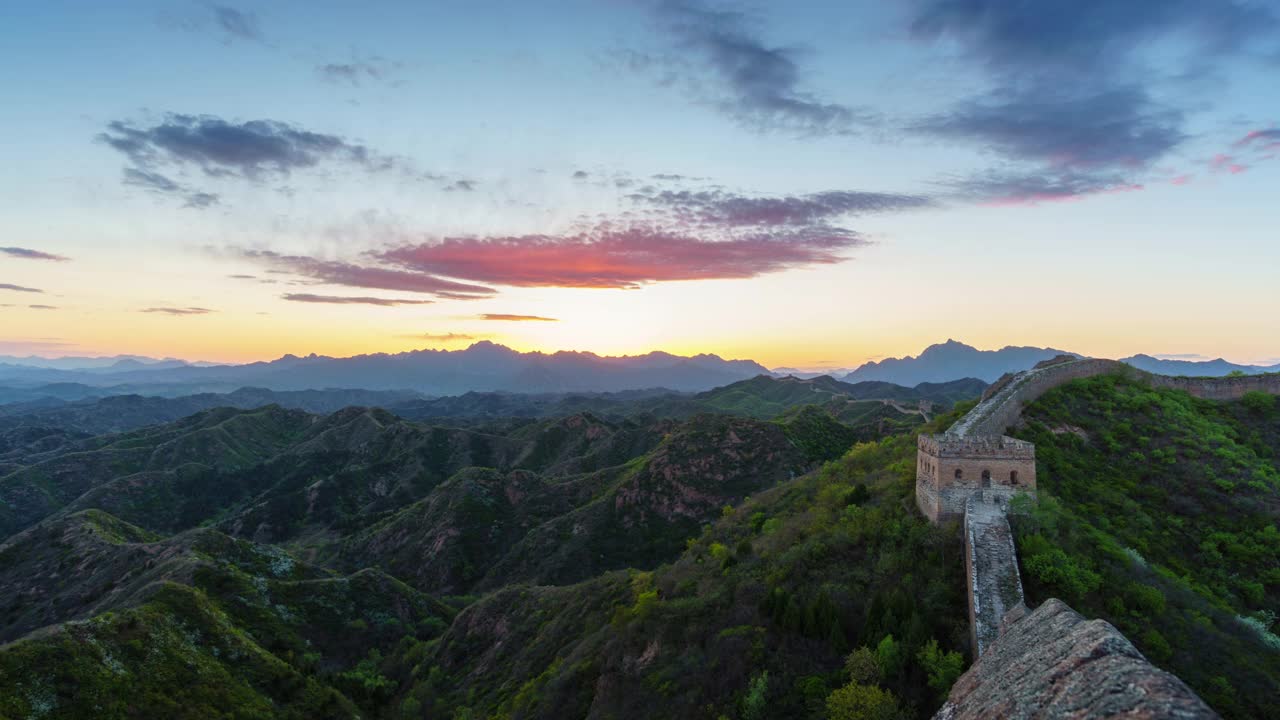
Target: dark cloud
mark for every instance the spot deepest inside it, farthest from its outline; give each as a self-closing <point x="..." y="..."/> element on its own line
<point x="1108" y="128"/>
<point x="515" y="318"/>
<point x="237" y="24"/>
<point x="159" y="184"/>
<point x="177" y="310"/>
<point x="255" y="149"/>
<point x="1073" y="106"/>
<point x="43" y="307"/>
<point x="343" y="300"/>
<point x="28" y="254"/>
<point x="759" y="85"/>
<point x="1084" y="36"/>
<point x="580" y="175"/>
<point x="243" y="277"/>
<point x="379" y="278"/>
<point x="19" y="288"/>
<point x="718" y="207"/>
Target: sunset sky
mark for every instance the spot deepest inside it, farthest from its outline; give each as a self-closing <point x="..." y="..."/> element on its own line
<point x="809" y="184"/>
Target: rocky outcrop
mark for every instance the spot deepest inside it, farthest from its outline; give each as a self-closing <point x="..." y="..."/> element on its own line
<point x="1052" y="663"/>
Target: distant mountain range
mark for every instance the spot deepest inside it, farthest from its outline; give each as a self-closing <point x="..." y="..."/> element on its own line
<point x="952" y="360"/>
<point x="489" y="367"/>
<point x="484" y="366"/>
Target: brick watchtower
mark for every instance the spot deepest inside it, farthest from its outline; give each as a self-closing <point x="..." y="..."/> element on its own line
<point x="951" y="468"/>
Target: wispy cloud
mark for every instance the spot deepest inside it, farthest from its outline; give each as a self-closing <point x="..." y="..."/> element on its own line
<point x="757" y="84"/>
<point x="345" y="300"/>
<point x="718" y="207"/>
<point x="43" y="307"/>
<point x="237" y="24"/>
<point x="177" y="310"/>
<point x="378" y="278"/>
<point x="444" y="337"/>
<point x="157" y="183"/>
<point x="515" y="318"/>
<point x="1002" y="188"/>
<point x="28" y="254"/>
<point x="256" y="149"/>
<point x="357" y="72"/>
<point x="19" y="288"/>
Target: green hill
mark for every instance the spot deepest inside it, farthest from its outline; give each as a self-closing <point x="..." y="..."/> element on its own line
<point x="1161" y="517"/>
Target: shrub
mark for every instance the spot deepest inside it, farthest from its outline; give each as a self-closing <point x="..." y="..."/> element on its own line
<point x="863" y="667"/>
<point x="890" y="657"/>
<point x="753" y="703"/>
<point x="1258" y="402"/>
<point x="942" y="668"/>
<point x="856" y="701"/>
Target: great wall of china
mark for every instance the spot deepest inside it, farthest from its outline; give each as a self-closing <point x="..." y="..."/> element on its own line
<point x="970" y="473"/>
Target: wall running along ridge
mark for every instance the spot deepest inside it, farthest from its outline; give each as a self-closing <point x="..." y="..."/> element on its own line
<point x="1054" y="664"/>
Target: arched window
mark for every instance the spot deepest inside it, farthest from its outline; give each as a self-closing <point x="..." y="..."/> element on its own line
<point x="959" y="474"/>
<point x="1013" y="477"/>
<point x="986" y="478"/>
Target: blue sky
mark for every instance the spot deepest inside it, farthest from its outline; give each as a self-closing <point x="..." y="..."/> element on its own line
<point x="804" y="184"/>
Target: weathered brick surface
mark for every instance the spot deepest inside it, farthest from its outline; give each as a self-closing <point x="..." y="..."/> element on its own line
<point x="991" y="565"/>
<point x="1053" y="664"/>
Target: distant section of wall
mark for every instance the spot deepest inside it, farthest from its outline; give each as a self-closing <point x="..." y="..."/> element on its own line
<point x="1001" y="409"/>
<point x="1052" y="663"/>
<point x="1216" y="388"/>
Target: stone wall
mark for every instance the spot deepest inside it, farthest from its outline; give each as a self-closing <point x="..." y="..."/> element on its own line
<point x="1219" y="388"/>
<point x="991" y="567"/>
<point x="1052" y="663"/>
<point x="950" y="469"/>
<point x="1001" y="409"/>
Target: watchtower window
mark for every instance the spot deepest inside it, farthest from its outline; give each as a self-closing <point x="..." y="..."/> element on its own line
<point x="1013" y="477"/>
<point x="959" y="474"/>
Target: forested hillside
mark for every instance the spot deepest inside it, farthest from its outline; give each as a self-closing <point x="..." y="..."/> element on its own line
<point x="276" y="563"/>
<point x="1159" y="513"/>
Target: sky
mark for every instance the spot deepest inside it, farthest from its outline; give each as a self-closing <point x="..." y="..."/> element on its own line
<point x="808" y="184"/>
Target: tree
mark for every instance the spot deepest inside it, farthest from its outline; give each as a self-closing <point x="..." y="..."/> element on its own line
<point x="862" y="666"/>
<point x="890" y="657"/>
<point x="754" y="701"/>
<point x="942" y="668"/>
<point x="1258" y="402"/>
<point x="856" y="701"/>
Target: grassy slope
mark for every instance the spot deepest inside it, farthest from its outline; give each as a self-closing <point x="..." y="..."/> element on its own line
<point x="1161" y="518"/>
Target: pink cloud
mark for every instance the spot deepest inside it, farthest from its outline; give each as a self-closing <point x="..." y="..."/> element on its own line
<point x="627" y="257"/>
<point x="1226" y="163"/>
<point x="1182" y="180"/>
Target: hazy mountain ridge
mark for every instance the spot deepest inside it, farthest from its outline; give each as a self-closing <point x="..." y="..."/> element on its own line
<point x="483" y="366"/>
<point x="952" y="360"/>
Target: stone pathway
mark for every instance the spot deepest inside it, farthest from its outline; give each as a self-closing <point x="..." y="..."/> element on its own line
<point x="995" y="587"/>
